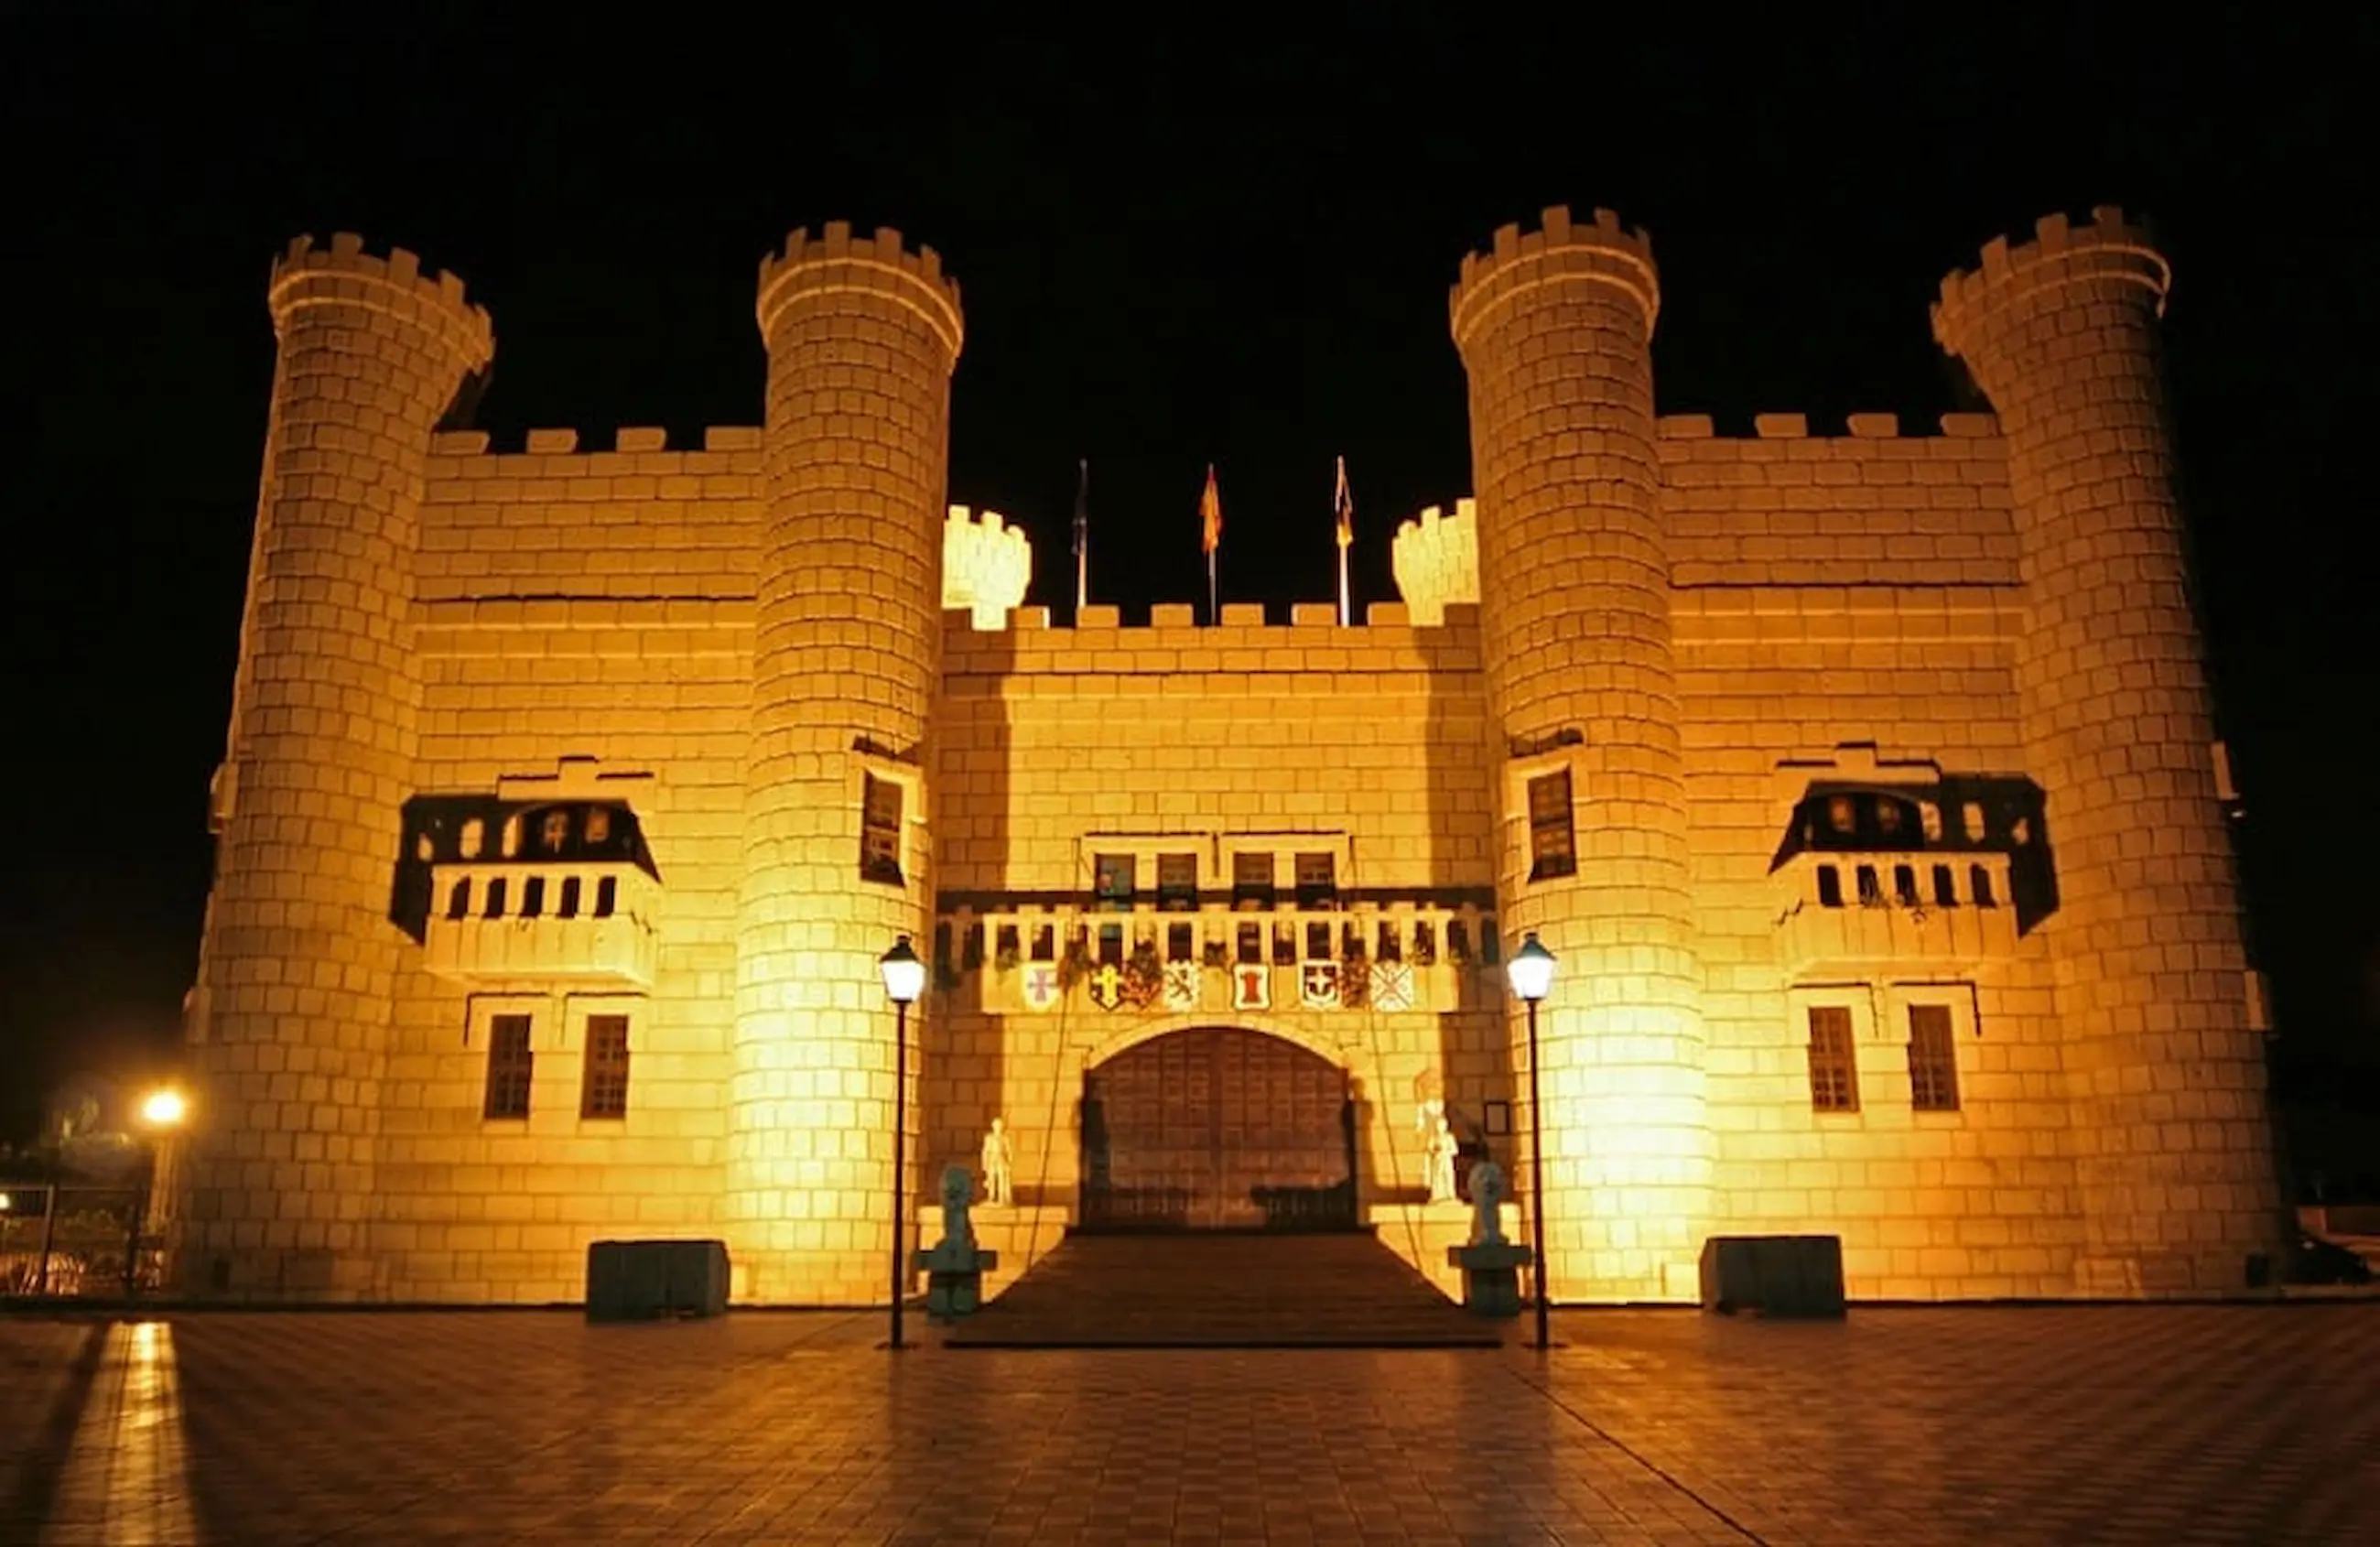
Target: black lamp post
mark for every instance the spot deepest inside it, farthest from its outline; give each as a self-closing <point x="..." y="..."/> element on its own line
<point x="904" y="979"/>
<point x="1530" y="970"/>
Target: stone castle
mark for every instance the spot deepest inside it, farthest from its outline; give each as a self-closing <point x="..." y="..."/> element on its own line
<point x="1865" y="788"/>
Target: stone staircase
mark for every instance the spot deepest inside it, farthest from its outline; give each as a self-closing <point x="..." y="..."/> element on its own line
<point x="1223" y="1290"/>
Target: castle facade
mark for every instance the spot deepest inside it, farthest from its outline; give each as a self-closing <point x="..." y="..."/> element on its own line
<point x="1865" y="788"/>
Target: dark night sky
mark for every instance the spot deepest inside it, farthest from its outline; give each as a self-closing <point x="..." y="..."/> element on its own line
<point x="1177" y="243"/>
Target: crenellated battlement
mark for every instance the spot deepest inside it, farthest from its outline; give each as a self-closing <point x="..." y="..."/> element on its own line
<point x="345" y="274"/>
<point x="987" y="564"/>
<point x="628" y="439"/>
<point x="1436" y="559"/>
<point x="1601" y="252"/>
<point x="1176" y="624"/>
<point x="835" y="260"/>
<point x="1856" y="427"/>
<point x="2109" y="246"/>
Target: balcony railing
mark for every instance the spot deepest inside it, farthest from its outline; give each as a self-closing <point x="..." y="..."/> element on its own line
<point x="1856" y="909"/>
<point x="1146" y="957"/>
<point x="583" y="923"/>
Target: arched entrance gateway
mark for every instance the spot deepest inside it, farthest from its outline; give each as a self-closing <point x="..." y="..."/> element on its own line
<point x="1217" y="1128"/>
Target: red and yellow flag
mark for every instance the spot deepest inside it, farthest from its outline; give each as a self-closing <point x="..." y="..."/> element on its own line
<point x="1345" y="502"/>
<point x="1210" y="513"/>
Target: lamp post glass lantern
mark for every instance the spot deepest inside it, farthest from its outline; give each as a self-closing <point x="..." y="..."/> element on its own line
<point x="1530" y="970"/>
<point x="162" y="1112"/>
<point x="904" y="979"/>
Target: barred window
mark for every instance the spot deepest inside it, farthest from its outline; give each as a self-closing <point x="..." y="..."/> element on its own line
<point x="1552" y="842"/>
<point x="1252" y="881"/>
<point x="1177" y="881"/>
<point x="604" y="1088"/>
<point x="880" y="831"/>
<point x="1834" y="1068"/>
<point x="1933" y="1059"/>
<point x="1112" y="876"/>
<point x="511" y="1065"/>
<point x="1318" y="881"/>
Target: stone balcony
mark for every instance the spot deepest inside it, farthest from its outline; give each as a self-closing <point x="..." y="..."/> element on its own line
<point x="592" y="922"/>
<point x="1855" y="912"/>
<point x="1401" y="955"/>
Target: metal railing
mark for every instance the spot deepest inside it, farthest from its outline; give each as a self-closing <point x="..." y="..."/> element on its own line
<point x="78" y="1242"/>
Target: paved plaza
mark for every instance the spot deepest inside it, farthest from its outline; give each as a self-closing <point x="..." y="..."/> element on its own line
<point x="2184" y="1424"/>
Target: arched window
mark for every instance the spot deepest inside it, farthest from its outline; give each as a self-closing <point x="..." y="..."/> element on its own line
<point x="474" y="838"/>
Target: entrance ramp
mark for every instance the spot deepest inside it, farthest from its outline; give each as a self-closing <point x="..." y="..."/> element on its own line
<point x="1221" y="1290"/>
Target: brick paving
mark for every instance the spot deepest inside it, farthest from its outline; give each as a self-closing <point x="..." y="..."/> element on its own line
<point x="1903" y="1426"/>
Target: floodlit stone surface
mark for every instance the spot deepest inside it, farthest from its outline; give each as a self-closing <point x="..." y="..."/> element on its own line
<point x="2146" y="1424"/>
<point x="723" y="647"/>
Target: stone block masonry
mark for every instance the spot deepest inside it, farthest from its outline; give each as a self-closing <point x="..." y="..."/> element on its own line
<point x="1860" y="781"/>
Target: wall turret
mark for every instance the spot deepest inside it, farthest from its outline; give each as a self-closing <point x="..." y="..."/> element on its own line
<point x="2171" y="1130"/>
<point x="291" y="1013"/>
<point x="1555" y="329"/>
<point x="862" y="336"/>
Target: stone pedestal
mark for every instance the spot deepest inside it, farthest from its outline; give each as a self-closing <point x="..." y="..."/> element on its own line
<point x="953" y="1272"/>
<point x="1423" y="1233"/>
<point x="1491" y="1276"/>
<point x="1012" y="1236"/>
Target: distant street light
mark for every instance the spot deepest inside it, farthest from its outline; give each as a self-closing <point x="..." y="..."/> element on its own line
<point x="1530" y="970"/>
<point x="904" y="979"/>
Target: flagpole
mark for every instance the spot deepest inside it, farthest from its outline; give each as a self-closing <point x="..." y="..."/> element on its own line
<point x="1214" y="611"/>
<point x="1343" y="586"/>
<point x="1342" y="510"/>
<point x="1082" y="537"/>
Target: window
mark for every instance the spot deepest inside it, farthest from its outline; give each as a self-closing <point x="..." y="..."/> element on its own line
<point x="1180" y="942"/>
<point x="1177" y="881"/>
<point x="1929" y="821"/>
<point x="1933" y="1059"/>
<point x="512" y="839"/>
<point x="496" y="897"/>
<point x="475" y="837"/>
<point x="532" y="896"/>
<point x="1552" y="850"/>
<point x="1980" y="881"/>
<point x="1830" y="886"/>
<point x="458" y="901"/>
<point x="603" y="1089"/>
<point x="599" y="824"/>
<point x="607" y="895"/>
<point x="1946" y="887"/>
<point x="1842" y="814"/>
<point x="1871" y="890"/>
<point x="1251" y="942"/>
<point x="510" y="1065"/>
<point x="1834" y="1069"/>
<point x="1904" y="886"/>
<point x="1317" y="884"/>
<point x="555" y="832"/>
<point x="1887" y="818"/>
<point x="1112" y="879"/>
<point x="1252" y="881"/>
<point x="572" y="890"/>
<point x="880" y="831"/>
<point x="1971" y="821"/>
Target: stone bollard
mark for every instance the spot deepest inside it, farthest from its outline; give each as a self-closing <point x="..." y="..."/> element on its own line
<point x="954" y="1265"/>
<point x="1490" y="1264"/>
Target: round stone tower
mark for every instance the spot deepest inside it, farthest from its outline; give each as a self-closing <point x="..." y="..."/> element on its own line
<point x="2171" y="1136"/>
<point x="862" y="336"/>
<point x="1555" y="329"/>
<point x="299" y="958"/>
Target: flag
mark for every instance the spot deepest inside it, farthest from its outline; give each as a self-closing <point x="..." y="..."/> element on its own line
<point x="1345" y="502"/>
<point x="1210" y="513"/>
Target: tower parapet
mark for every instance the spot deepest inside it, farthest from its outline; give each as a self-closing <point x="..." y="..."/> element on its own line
<point x="987" y="566"/>
<point x="299" y="960"/>
<point x="1435" y="558"/>
<point x="2173" y="1153"/>
<point x="1554" y="328"/>
<point x="862" y="336"/>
